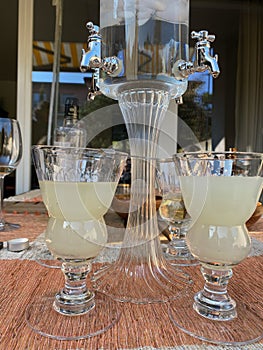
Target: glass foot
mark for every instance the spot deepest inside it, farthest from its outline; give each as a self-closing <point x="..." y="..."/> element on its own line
<point x="44" y="320"/>
<point x="8" y="226"/>
<point x="246" y="328"/>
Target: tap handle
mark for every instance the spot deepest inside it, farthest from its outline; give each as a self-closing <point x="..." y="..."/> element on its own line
<point x="93" y="29"/>
<point x="203" y="35"/>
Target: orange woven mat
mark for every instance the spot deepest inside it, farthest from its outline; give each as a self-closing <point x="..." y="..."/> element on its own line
<point x="31" y="225"/>
<point x="140" y="325"/>
<point x="22" y="281"/>
<point x="257" y="226"/>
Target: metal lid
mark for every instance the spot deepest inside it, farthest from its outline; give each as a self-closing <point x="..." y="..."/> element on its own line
<point x="18" y="244"/>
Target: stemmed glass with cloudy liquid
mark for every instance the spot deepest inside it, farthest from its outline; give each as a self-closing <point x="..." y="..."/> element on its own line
<point x="77" y="187"/>
<point x="10" y="157"/>
<point x="172" y="210"/>
<point x="220" y="191"/>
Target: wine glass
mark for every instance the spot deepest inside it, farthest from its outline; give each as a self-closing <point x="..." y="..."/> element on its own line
<point x="220" y="191"/>
<point x="172" y="210"/>
<point x="10" y="156"/>
<point x="77" y="187"/>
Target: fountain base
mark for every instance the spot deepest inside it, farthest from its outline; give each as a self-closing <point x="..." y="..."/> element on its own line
<point x="141" y="278"/>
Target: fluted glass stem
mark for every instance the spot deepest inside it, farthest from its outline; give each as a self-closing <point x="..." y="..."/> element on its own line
<point x="145" y="274"/>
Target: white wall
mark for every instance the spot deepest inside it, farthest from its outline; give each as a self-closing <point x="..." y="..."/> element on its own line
<point x="24" y="91"/>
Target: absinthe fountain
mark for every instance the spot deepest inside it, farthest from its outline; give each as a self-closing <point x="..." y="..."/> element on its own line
<point x="139" y="56"/>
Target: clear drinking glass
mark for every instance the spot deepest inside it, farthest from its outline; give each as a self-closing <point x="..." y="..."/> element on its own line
<point x="220" y="191"/>
<point x="172" y="210"/>
<point x="10" y="156"/>
<point x="77" y="187"/>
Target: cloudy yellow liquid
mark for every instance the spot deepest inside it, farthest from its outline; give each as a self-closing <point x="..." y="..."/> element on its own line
<point x="219" y="207"/>
<point x="76" y="228"/>
<point x="172" y="208"/>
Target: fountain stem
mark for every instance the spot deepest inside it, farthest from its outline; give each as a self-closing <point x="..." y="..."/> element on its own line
<point x="144" y="273"/>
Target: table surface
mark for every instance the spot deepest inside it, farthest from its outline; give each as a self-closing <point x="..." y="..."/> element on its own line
<point x="140" y="326"/>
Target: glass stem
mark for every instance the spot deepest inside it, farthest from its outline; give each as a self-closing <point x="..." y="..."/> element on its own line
<point x="178" y="236"/>
<point x="177" y="247"/>
<point x="145" y="274"/>
<point x="75" y="298"/>
<point x="2" y="221"/>
<point x="143" y="112"/>
<point x="213" y="301"/>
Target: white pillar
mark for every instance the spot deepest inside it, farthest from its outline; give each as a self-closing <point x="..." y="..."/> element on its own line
<point x="24" y="90"/>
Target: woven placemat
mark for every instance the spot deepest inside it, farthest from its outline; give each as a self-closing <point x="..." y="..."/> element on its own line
<point x="140" y="326"/>
<point x="31" y="225"/>
<point x="257" y="226"/>
<point x="144" y="327"/>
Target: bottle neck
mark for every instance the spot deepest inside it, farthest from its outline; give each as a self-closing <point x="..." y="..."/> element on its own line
<point x="70" y="121"/>
<point x="71" y="115"/>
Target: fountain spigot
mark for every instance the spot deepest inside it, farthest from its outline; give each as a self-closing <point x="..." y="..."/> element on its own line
<point x="91" y="60"/>
<point x="203" y="60"/>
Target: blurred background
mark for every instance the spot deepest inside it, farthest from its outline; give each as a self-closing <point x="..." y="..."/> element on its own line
<point x="223" y="113"/>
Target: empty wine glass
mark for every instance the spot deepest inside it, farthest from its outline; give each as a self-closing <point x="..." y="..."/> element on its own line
<point x="10" y="156"/>
<point x="77" y="187"/>
<point x="172" y="210"/>
<point x="220" y="191"/>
